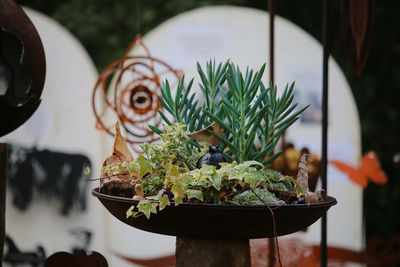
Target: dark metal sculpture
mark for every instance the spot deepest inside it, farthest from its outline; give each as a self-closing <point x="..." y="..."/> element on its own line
<point x="129" y="88"/>
<point x="65" y="259"/>
<point x="213" y="157"/>
<point x="22" y="75"/>
<point x="22" y="67"/>
<point x="357" y="19"/>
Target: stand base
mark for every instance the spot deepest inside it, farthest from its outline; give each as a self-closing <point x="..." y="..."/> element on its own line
<point x="192" y="252"/>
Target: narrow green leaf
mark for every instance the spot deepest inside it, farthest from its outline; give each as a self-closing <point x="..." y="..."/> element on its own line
<point x="166" y="106"/>
<point x="155" y="129"/>
<point x="220" y="123"/>
<point x="165" y="119"/>
<point x="179" y="90"/>
<point x="226" y="142"/>
<point x="166" y="92"/>
<point x="269" y="161"/>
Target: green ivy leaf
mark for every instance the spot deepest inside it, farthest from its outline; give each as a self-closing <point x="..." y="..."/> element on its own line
<point x="144" y="166"/>
<point x="191" y="193"/>
<point x="131" y="212"/>
<point x="147" y="207"/>
<point x="178" y="189"/>
<point x="250" y="163"/>
<point x="253" y="178"/>
<point x="297" y="188"/>
<point x="173" y="170"/>
<point x="178" y="201"/>
<point x="164" y="201"/>
<point x="116" y="170"/>
<point x="216" y="181"/>
<point x="132" y="168"/>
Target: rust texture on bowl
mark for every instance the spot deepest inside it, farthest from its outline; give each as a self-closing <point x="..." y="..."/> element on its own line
<point x="219" y="221"/>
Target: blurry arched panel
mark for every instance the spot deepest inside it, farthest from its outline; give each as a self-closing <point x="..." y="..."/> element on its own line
<point x="48" y="202"/>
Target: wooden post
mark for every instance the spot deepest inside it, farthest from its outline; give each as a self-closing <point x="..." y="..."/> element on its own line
<point x="192" y="252"/>
<point x="3" y="176"/>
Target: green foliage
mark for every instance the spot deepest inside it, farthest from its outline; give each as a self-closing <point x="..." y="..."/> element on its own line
<point x="258" y="196"/>
<point x="147" y="207"/>
<point x="248" y="112"/>
<point x="174" y="150"/>
<point x="131" y="212"/>
<point x="247" y="183"/>
<point x="152" y="184"/>
<point x="136" y="168"/>
<point x="297" y="188"/>
<point x="184" y="108"/>
<point x="163" y="201"/>
<point x="195" y="194"/>
<point x="212" y="81"/>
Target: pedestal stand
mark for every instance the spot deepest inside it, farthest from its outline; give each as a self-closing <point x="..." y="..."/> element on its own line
<point x="192" y="252"/>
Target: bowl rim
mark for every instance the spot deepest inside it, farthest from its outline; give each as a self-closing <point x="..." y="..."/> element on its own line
<point x="329" y="201"/>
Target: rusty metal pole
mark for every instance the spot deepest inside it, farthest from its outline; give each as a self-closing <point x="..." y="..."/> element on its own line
<point x="324" y="145"/>
<point x="3" y="182"/>
<point x="271" y="11"/>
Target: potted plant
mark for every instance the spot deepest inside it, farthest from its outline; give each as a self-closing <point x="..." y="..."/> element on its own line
<point x="209" y="181"/>
<point x="213" y="163"/>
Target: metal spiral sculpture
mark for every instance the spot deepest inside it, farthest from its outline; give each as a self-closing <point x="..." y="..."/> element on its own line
<point x="128" y="90"/>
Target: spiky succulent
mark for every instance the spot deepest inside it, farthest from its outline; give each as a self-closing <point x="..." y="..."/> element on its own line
<point x="252" y="116"/>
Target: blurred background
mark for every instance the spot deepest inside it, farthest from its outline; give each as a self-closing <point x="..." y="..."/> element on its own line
<point x="105" y="28"/>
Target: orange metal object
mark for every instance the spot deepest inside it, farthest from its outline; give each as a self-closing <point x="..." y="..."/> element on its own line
<point x="128" y="90"/>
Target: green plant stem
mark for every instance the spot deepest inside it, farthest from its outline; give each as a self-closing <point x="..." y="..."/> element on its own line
<point x="243" y="132"/>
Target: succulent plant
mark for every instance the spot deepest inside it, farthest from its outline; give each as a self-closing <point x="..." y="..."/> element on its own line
<point x="252" y="116"/>
<point x="241" y="118"/>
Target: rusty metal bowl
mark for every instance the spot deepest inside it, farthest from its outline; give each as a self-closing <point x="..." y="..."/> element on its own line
<point x="212" y="221"/>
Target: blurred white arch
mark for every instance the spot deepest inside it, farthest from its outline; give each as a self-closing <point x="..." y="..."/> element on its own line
<point x="63" y="122"/>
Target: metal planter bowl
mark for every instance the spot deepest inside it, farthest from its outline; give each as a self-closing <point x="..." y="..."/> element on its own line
<point x="211" y="221"/>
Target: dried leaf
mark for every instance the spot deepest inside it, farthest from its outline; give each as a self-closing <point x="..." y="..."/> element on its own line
<point x="139" y="190"/>
<point x="205" y="134"/>
<point x="302" y="174"/>
<point x="121" y="149"/>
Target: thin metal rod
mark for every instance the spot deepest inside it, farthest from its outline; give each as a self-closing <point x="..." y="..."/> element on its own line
<point x="3" y="178"/>
<point x="271" y="11"/>
<point x="324" y="154"/>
